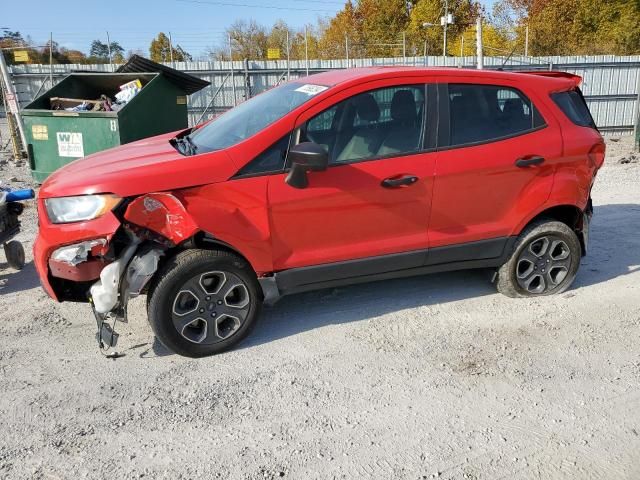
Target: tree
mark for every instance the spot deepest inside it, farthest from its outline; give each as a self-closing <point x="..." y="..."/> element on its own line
<point x="382" y="23"/>
<point x="495" y="40"/>
<point x="429" y="11"/>
<point x="312" y="43"/>
<point x="565" y="27"/>
<point x="248" y="40"/>
<point x="609" y="27"/>
<point x="74" y="56"/>
<point x="277" y="38"/>
<point x="100" y="51"/>
<point x="343" y="28"/>
<point x="161" y="50"/>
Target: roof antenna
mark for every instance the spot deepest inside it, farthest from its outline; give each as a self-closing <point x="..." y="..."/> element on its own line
<point x="508" y="58"/>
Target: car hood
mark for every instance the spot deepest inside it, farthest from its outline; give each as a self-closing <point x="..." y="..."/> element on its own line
<point x="150" y="165"/>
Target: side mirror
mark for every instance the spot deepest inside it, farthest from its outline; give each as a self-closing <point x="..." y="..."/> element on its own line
<point x="306" y="157"/>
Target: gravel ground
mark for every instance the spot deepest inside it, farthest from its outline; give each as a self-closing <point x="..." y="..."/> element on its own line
<point x="430" y="377"/>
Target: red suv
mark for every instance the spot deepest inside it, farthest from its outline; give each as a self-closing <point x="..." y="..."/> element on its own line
<point x="343" y="177"/>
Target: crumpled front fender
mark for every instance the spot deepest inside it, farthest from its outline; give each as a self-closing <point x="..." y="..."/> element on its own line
<point x="162" y="213"/>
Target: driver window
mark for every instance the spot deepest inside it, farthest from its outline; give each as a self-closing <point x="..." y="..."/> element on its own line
<point x="381" y="123"/>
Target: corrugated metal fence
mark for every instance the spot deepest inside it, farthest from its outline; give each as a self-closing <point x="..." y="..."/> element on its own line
<point x="611" y="84"/>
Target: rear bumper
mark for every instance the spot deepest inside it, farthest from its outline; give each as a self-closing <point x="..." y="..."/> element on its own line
<point x="53" y="236"/>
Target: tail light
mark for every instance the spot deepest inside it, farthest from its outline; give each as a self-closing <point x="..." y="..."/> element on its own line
<point x="596" y="154"/>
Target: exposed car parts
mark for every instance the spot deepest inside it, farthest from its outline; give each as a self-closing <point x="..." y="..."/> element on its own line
<point x="121" y="280"/>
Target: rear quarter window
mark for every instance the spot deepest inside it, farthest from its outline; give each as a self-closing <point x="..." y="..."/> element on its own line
<point x="575" y="108"/>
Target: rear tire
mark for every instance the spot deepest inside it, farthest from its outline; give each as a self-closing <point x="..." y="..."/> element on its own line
<point x="14" y="251"/>
<point x="203" y="302"/>
<point x="545" y="261"/>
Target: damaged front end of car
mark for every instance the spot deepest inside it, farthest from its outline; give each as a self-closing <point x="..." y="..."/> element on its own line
<point x="125" y="263"/>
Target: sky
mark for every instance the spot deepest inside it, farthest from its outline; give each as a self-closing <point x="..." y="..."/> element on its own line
<point x="194" y="24"/>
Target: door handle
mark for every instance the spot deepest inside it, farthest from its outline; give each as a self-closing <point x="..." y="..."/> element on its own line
<point x="402" y="181"/>
<point x="528" y="161"/>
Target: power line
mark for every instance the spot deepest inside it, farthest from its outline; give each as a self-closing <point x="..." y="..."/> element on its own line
<point x="272" y="7"/>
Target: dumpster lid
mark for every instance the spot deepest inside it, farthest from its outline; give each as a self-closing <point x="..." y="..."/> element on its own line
<point x="186" y="82"/>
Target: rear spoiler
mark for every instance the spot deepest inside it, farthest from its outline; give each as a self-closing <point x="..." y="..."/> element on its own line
<point x="575" y="79"/>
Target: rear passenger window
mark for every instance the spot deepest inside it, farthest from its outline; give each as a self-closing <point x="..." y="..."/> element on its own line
<point x="481" y="113"/>
<point x="574" y="107"/>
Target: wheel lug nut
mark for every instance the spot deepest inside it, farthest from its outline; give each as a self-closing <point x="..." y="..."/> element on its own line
<point x="213" y="314"/>
<point x="208" y="298"/>
<point x="202" y="310"/>
<point x="219" y="302"/>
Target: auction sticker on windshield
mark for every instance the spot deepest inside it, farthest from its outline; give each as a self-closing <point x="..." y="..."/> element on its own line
<point x="310" y="89"/>
<point x="70" y="144"/>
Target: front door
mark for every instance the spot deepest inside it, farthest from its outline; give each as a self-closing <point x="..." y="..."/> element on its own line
<point x="374" y="199"/>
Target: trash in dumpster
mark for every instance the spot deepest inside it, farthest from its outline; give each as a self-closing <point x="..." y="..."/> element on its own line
<point x="103" y="104"/>
<point x="128" y="91"/>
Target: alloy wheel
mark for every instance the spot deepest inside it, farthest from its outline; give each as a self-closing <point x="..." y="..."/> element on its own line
<point x="543" y="264"/>
<point x="210" y="307"/>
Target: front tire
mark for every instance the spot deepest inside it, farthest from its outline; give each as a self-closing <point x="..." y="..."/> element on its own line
<point x="203" y="302"/>
<point x="545" y="261"/>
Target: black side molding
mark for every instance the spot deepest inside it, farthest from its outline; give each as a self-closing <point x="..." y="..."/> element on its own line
<point x="481" y="254"/>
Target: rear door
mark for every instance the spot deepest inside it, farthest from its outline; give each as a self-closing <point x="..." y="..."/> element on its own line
<point x="495" y="165"/>
<point x="374" y="199"/>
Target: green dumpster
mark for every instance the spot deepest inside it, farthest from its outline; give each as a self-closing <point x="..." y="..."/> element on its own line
<point x="57" y="137"/>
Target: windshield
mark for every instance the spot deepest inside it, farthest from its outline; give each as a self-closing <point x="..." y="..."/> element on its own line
<point x="250" y="117"/>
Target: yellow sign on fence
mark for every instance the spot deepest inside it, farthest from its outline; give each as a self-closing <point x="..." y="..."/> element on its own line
<point x="273" y="53"/>
<point x="21" y="56"/>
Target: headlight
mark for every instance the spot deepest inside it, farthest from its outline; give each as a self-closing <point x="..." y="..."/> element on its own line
<point x="77" y="209"/>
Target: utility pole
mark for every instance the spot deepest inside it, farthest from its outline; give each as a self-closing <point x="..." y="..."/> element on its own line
<point x="526" y="41"/>
<point x="462" y="45"/>
<point x="51" y="59"/>
<point x="288" y="60"/>
<point x="479" y="43"/>
<point x="346" y="48"/>
<point x="233" y="80"/>
<point x="109" y="52"/>
<point x="306" y="49"/>
<point x="404" y="48"/>
<point x="445" y="24"/>
<point x="426" y="25"/>
<point x="171" y="50"/>
<point x="247" y="80"/>
<point x="425" y="53"/>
